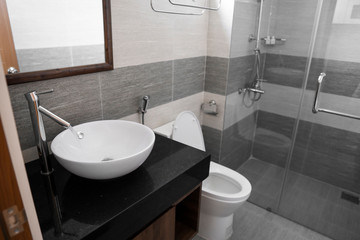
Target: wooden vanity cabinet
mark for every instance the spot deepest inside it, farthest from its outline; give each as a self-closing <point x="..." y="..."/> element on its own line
<point x="180" y="222"/>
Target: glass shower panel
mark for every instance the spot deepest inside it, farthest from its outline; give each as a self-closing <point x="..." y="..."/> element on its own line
<point x="322" y="186"/>
<point x="284" y="72"/>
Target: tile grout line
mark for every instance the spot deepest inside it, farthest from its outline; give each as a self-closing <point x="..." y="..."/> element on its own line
<point x="172" y="79"/>
<point x="101" y="98"/>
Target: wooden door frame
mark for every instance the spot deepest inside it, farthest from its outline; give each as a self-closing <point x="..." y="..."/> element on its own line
<point x="7" y="46"/>
<point x="15" y="160"/>
<point x="10" y="193"/>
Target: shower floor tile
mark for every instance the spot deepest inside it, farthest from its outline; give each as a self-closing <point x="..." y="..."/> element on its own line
<point x="305" y="200"/>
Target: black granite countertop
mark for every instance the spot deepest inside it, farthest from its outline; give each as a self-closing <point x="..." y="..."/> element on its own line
<point x="119" y="208"/>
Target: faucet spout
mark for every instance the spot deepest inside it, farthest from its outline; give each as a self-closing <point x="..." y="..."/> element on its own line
<point x="54" y="117"/>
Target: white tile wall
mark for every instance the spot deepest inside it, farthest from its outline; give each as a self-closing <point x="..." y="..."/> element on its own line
<point x="212" y="121"/>
<point x="219" y="30"/>
<point x="141" y="35"/>
<point x="338" y="42"/>
<point x="294" y="21"/>
<point x="244" y="23"/>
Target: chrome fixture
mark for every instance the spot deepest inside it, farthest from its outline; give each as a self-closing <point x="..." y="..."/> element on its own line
<point x="177" y="13"/>
<point x="12" y="70"/>
<point x="255" y="85"/>
<point x="209" y="108"/>
<point x="316" y="108"/>
<point x="267" y="38"/>
<point x="254" y="90"/>
<point x="188" y="6"/>
<point x="143" y="107"/>
<point x="54" y="117"/>
<point x="194" y="6"/>
<point x="47" y="171"/>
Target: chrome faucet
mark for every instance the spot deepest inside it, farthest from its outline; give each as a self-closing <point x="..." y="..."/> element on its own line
<point x="36" y="112"/>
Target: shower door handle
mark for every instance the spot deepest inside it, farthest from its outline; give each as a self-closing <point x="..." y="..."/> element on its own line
<point x="317" y="92"/>
<point x="316" y="108"/>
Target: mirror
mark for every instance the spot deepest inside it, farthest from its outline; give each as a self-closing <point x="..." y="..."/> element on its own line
<point x="58" y="38"/>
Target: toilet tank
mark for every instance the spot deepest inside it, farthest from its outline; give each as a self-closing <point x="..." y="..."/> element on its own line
<point x="185" y="129"/>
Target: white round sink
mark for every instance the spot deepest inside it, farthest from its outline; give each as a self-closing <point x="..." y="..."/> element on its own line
<point x="108" y="149"/>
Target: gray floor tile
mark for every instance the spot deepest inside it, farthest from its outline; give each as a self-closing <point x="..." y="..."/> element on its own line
<point x="305" y="200"/>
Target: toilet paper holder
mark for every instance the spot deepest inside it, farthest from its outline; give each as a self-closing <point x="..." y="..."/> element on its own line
<point x="210" y="107"/>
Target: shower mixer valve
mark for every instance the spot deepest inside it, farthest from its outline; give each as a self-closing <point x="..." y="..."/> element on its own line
<point x="255" y="88"/>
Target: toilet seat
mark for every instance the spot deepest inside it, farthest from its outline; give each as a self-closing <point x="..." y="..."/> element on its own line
<point x="187" y="130"/>
<point x="238" y="188"/>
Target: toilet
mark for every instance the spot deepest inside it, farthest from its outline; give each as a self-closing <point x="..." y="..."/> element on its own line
<point x="223" y="192"/>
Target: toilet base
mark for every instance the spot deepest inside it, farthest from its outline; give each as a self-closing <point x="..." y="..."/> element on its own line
<point x="214" y="227"/>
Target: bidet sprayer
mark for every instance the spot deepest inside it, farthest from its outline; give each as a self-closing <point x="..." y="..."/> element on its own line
<point x="143" y="107"/>
<point x="144" y="103"/>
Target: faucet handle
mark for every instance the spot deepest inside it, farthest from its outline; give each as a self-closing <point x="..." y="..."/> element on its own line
<point x="45" y="91"/>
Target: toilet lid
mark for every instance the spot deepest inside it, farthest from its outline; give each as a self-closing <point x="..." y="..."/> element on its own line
<point x="187" y="130"/>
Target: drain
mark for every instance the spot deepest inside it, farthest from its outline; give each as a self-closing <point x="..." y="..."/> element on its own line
<point x="107" y="159"/>
<point x="350" y="197"/>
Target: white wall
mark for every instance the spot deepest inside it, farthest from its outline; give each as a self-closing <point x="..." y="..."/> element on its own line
<point x="294" y="20"/>
<point x="245" y="22"/>
<point x="219" y="31"/>
<point x="45" y="23"/>
<point x="141" y="35"/>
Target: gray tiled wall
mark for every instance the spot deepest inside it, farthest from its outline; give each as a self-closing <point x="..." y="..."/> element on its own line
<point x="328" y="154"/>
<point x="123" y="88"/>
<point x="189" y="75"/>
<point x="342" y="77"/>
<point x="224" y="76"/>
<point x="237" y="142"/>
<point x="266" y="145"/>
<point x="231" y="147"/>
<point x="212" y="138"/>
<point x="285" y="70"/>
<point x="321" y="152"/>
<point x="240" y="71"/>
<point x="107" y="95"/>
<point x="216" y="75"/>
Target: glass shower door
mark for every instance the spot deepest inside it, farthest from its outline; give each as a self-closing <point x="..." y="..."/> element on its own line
<point x="284" y="72"/>
<point x="322" y="185"/>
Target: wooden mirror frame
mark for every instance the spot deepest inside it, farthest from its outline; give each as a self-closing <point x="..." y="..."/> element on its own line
<point x="77" y="70"/>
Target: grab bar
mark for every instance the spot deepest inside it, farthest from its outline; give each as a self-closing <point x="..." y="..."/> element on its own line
<point x="178" y="13"/>
<point x="316" y="109"/>
<point x="194" y="6"/>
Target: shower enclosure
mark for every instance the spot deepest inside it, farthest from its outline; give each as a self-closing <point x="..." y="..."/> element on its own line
<point x="305" y="166"/>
